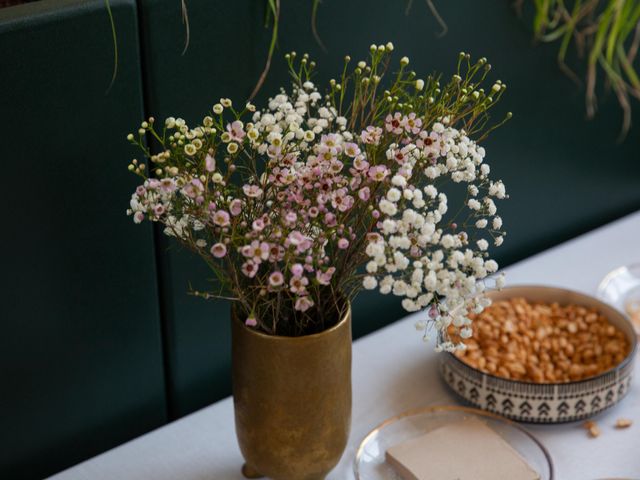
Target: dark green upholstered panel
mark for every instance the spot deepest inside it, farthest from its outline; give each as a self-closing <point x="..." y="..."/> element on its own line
<point x="80" y="344"/>
<point x="565" y="175"/>
<point x="217" y="63"/>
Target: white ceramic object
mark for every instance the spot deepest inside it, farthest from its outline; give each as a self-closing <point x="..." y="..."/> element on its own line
<point x="621" y="288"/>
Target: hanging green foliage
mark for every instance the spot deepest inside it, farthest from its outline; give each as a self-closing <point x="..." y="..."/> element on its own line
<point x="606" y="33"/>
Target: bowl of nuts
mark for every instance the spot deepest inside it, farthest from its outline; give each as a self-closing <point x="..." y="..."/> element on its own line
<point x="544" y="355"/>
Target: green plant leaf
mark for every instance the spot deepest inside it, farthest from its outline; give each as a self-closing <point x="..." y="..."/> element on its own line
<point x="115" y="45"/>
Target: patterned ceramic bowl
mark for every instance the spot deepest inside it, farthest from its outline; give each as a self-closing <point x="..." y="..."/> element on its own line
<point x="545" y="402"/>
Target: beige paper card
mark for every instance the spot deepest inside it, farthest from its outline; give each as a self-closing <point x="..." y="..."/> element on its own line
<point x="464" y="450"/>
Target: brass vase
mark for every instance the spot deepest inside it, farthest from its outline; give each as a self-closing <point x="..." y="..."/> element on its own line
<point x="292" y="400"/>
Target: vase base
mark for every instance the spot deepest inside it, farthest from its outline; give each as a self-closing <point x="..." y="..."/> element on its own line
<point x="249" y="472"/>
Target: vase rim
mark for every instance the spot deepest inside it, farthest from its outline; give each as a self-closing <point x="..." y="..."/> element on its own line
<point x="344" y="319"/>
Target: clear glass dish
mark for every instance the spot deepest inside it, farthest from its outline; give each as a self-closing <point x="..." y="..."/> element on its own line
<point x="370" y="458"/>
<point x="621" y="289"/>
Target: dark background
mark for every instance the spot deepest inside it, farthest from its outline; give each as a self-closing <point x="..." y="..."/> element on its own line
<point x="100" y="342"/>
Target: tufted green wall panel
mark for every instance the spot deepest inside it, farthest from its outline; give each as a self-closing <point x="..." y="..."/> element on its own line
<point x="80" y="344"/>
<point x="218" y="61"/>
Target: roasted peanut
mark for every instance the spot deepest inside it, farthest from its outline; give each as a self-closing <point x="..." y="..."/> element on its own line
<point x="623" y="423"/>
<point x="543" y="343"/>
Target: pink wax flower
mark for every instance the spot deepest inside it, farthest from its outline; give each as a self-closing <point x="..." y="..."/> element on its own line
<point x="296" y="269"/>
<point x="298" y="284"/>
<point x="300" y="241"/>
<point x="276" y="252"/>
<point x="249" y="269"/>
<point x="209" y="163"/>
<point x="167" y="185"/>
<point x="219" y="250"/>
<point x="364" y="193"/>
<point x="393" y="123"/>
<point x="235" y="207"/>
<point x="343" y="243"/>
<point x="378" y="173"/>
<point x="399" y="157"/>
<point x="258" y="225"/>
<point x="330" y="220"/>
<point x="324" y="278"/>
<point x="303" y="304"/>
<point x="412" y="124"/>
<point x="371" y="135"/>
<point x="330" y="144"/>
<point x="221" y="218"/>
<point x="360" y="163"/>
<point x="236" y="130"/>
<point x="251" y="321"/>
<point x="351" y="149"/>
<point x="257" y="251"/>
<point x="252" y="191"/>
<point x="276" y="279"/>
<point x="291" y="218"/>
<point x="335" y="166"/>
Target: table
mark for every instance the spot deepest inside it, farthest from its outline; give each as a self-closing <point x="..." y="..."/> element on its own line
<point x="393" y="371"/>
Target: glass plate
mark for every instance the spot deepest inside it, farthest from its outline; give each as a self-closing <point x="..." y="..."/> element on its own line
<point x="621" y="288"/>
<point x="370" y="458"/>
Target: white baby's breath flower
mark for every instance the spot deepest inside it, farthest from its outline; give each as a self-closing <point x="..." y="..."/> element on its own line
<point x="388" y="207"/>
<point x="399" y="181"/>
<point x="466" y="333"/>
<point x="409" y="305"/>
<point x="369" y="282"/>
<point x="474" y="204"/>
<point x="393" y="195"/>
<point x="491" y="266"/>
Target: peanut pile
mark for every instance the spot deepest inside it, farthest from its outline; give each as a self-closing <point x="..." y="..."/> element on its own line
<point x="543" y="343"/>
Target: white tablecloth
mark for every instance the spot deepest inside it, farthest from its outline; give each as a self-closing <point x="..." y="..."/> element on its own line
<point x="394" y="371"/>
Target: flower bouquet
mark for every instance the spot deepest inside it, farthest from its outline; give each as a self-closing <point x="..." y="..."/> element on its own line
<point x="298" y="206"/>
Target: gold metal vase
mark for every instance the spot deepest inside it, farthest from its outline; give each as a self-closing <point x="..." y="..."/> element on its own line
<point x="292" y="400"/>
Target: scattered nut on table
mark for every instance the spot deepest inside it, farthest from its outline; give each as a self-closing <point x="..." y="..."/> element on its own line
<point x="623" y="423"/>
<point x="592" y="428"/>
<point x="542" y="343"/>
